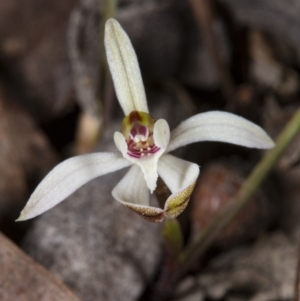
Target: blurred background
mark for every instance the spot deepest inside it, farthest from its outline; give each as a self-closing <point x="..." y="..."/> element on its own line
<point x="57" y="100"/>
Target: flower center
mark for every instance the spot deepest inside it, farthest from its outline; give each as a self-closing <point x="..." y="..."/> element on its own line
<point x="137" y="128"/>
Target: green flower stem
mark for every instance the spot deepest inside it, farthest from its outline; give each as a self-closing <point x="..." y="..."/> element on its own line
<point x="173" y="237"/>
<point x="190" y="255"/>
<point x="173" y="240"/>
<point x="171" y="231"/>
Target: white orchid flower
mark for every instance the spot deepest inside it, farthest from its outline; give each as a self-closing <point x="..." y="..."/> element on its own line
<point x="144" y="144"/>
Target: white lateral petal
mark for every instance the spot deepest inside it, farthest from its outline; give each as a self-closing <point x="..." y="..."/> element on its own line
<point x="120" y="143"/>
<point x="67" y="177"/>
<point x="133" y="193"/>
<point x="124" y="68"/>
<point x="180" y="176"/>
<point x="161" y="133"/>
<point x="219" y="126"/>
<point x="132" y="188"/>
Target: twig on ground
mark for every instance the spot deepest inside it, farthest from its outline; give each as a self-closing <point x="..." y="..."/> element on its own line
<point x="203" y="14"/>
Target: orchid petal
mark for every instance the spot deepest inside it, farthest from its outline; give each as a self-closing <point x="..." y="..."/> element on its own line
<point x="67" y="177"/>
<point x="133" y="193"/>
<point x="219" y="126"/>
<point x="161" y="133"/>
<point x="148" y="166"/>
<point x="120" y="143"/>
<point x="124" y="69"/>
<point x="132" y="188"/>
<point x="180" y="176"/>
